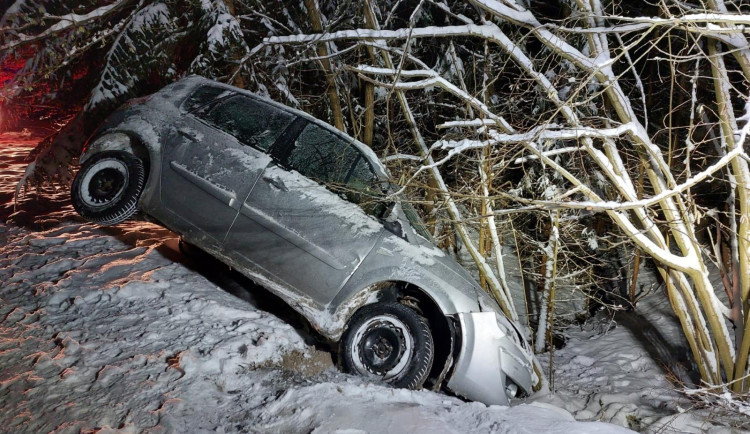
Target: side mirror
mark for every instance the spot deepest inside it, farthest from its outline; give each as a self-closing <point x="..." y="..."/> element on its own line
<point x="395" y="228"/>
<point x="390" y="213"/>
<point x="391" y="220"/>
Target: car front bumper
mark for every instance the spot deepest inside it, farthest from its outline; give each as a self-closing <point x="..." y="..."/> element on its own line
<point x="491" y="359"/>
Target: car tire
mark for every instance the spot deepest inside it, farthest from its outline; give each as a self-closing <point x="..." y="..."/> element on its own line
<point x="107" y="187"/>
<point x="391" y="342"/>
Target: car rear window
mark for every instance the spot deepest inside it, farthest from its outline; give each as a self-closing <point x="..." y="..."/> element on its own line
<point x="252" y="122"/>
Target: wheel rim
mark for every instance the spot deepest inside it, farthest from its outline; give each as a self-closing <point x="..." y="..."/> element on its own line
<point x="104" y="183"/>
<point x="383" y="347"/>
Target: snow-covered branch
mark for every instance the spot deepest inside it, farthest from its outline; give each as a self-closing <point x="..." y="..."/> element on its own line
<point x="737" y="22"/>
<point x="65" y="23"/>
<point x="644" y="203"/>
<point x="558" y="151"/>
<point x="475" y="123"/>
<point x="397" y="157"/>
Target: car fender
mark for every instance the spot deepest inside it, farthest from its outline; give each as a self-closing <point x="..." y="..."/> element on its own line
<point x="113" y="141"/>
<point x="140" y="139"/>
<point x="372" y="285"/>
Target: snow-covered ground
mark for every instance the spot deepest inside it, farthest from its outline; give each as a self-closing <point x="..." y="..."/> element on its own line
<point x="112" y="329"/>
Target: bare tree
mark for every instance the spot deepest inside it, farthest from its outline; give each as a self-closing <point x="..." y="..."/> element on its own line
<point x="595" y="136"/>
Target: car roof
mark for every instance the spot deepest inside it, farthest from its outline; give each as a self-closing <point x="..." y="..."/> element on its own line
<point x="195" y="81"/>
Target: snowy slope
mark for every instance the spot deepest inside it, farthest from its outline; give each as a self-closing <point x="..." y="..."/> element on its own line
<point x="111" y="328"/>
<point x="101" y="332"/>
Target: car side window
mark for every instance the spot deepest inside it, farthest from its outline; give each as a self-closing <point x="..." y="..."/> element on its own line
<point x="252" y="122"/>
<point x="322" y="155"/>
<point x="364" y="188"/>
<point x="415" y="220"/>
<point x="331" y="160"/>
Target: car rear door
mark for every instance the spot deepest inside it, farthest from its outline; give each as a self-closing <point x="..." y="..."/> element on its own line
<point x="305" y="221"/>
<point x="215" y="159"/>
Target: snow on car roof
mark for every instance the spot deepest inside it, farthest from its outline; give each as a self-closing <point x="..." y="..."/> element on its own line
<point x="197" y="80"/>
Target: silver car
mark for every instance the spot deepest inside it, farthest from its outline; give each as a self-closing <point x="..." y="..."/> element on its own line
<point x="305" y="211"/>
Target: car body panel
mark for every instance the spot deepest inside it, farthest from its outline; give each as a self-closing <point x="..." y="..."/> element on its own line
<point x="488" y="357"/>
<point x="292" y="227"/>
<point x="424" y="268"/>
<point x="205" y="177"/>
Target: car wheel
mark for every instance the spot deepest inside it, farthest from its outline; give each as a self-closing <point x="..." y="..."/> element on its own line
<point x="107" y="187"/>
<point x="391" y="342"/>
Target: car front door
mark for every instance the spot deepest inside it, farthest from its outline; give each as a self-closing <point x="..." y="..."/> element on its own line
<point x="218" y="156"/>
<point x="305" y="222"/>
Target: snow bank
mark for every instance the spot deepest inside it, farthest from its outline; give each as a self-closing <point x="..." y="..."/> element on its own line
<point x="107" y="331"/>
<point x="97" y="332"/>
<point x="360" y="408"/>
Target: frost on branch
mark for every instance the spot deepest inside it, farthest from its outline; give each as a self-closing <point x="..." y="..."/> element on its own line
<point x="222" y="44"/>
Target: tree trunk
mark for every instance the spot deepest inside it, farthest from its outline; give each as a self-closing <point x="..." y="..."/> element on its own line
<point x="332" y="90"/>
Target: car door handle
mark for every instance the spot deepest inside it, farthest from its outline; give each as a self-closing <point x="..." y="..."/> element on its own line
<point x="276" y="182"/>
